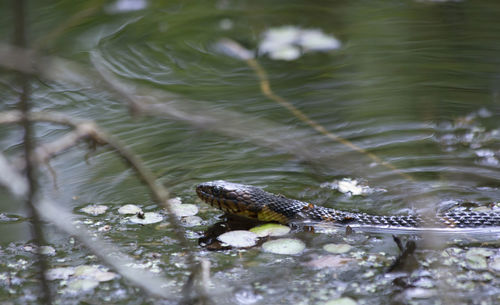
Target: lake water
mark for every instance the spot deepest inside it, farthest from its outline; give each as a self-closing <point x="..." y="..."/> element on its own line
<point x="413" y="83"/>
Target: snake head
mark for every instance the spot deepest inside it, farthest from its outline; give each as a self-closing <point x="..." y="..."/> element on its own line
<point x="233" y="198"/>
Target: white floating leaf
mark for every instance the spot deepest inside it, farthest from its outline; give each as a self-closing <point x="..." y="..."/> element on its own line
<point x="146" y="218"/>
<point x="337" y="248"/>
<point x="94" y="209"/>
<point x="239" y="238"/>
<point x="129" y="209"/>
<point x="284" y="246"/>
<point x="61" y="273"/>
<point x="342" y="301"/>
<point x="185" y="209"/>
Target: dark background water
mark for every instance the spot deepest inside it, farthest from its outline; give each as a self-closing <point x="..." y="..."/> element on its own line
<point x="415" y="83"/>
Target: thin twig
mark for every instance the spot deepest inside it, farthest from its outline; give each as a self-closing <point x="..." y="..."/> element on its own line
<point x="88" y="129"/>
<point x="28" y="145"/>
<point x="236" y="50"/>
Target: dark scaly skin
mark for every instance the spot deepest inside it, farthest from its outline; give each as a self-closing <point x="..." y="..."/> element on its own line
<point x="255" y="203"/>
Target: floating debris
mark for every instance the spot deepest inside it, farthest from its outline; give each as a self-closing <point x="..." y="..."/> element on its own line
<point x="495" y="263"/>
<point x="82" y="278"/>
<point x="337" y="248"/>
<point x="94" y="209"/>
<point x="342" y="301"/>
<point x="476" y="258"/>
<point x="350" y="187"/>
<point x="94" y="272"/>
<point x="191" y="221"/>
<point x="328" y="261"/>
<point x="239" y="238"/>
<point x="8" y="218"/>
<point x="182" y="210"/>
<point x="47" y="250"/>
<point x="130" y="209"/>
<point x="123" y="6"/>
<point x="61" y="273"/>
<point x="146" y="218"/>
<point x="80" y="285"/>
<point x="290" y="42"/>
<point x="270" y="229"/>
<point x="289" y="246"/>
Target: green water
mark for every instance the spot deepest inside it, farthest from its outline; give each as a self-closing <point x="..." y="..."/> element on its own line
<point x="414" y="82"/>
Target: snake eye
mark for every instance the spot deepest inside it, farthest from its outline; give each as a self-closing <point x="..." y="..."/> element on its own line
<point x="231" y="195"/>
<point x="216" y="191"/>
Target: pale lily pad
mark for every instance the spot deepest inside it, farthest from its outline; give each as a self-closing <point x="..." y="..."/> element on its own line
<point x="175" y="200"/>
<point x="61" y="273"/>
<point x="94" y="272"/>
<point x="289" y="42"/>
<point x="131" y="209"/>
<point x="182" y="210"/>
<point x="476" y="260"/>
<point x="284" y="246"/>
<point x="495" y="264"/>
<point x="337" y="248"/>
<point x="270" y="229"/>
<point x="350" y="187"/>
<point x="342" y="301"/>
<point x="47" y="250"/>
<point x="186" y="209"/>
<point x="81" y="285"/>
<point x="239" y="238"/>
<point x="316" y="40"/>
<point x="146" y="218"/>
<point x="191" y="221"/>
<point x="328" y="261"/>
<point x="94" y="209"/>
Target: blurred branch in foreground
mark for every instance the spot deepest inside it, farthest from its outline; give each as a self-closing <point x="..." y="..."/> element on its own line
<point x="152" y="102"/>
<point x="29" y="142"/>
<point x="62" y="219"/>
<point x="88" y="130"/>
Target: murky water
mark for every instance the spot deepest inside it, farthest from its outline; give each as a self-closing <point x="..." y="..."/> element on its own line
<point x="416" y="83"/>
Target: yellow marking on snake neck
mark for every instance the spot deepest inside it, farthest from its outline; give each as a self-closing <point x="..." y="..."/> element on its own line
<point x="267" y="214"/>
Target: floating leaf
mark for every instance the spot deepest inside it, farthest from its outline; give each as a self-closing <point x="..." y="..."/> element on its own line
<point x="191" y="221"/>
<point x="129" y="209"/>
<point x="81" y="285"/>
<point x="61" y="273"/>
<point x="495" y="264"/>
<point x="342" y="301"/>
<point x="328" y="261"/>
<point x="47" y="250"/>
<point x="337" y="248"/>
<point x="94" y="209"/>
<point x="146" y="218"/>
<point x="186" y="209"/>
<point x="239" y="238"/>
<point x="284" y="246"/>
<point x="270" y="229"/>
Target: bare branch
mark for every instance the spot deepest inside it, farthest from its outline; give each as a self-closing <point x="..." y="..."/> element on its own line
<point x="11" y="179"/>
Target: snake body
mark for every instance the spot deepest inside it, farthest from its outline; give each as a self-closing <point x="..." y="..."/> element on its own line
<point x="255" y="203"/>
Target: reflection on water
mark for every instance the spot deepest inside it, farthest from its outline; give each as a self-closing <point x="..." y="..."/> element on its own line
<point x="414" y="83"/>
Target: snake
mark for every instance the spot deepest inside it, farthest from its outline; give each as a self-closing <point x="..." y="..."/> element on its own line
<point x="255" y="203"/>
